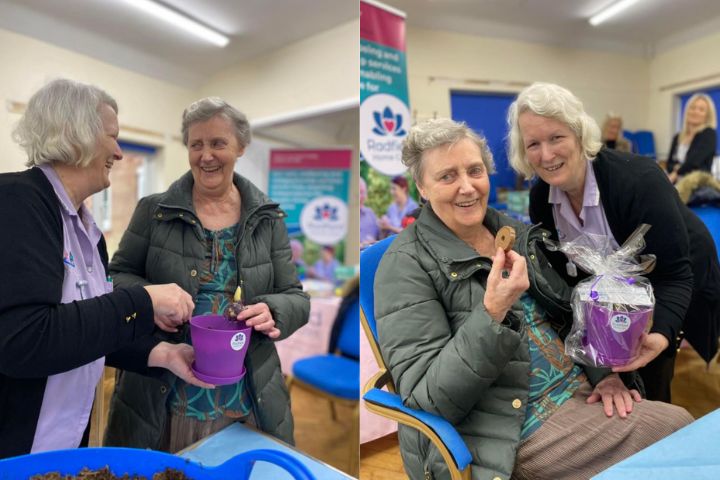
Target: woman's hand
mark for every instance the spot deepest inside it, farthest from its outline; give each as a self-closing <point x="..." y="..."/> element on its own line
<point x="653" y="344"/>
<point x="505" y="289"/>
<point x="172" y="306"/>
<point x="259" y="317"/>
<point x="177" y="358"/>
<point x="612" y="391"/>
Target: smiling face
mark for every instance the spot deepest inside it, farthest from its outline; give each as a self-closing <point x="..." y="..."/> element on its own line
<point x="455" y="182"/>
<point x="213" y="150"/>
<point x="107" y="150"/>
<point x="697" y="113"/>
<point x="553" y="151"/>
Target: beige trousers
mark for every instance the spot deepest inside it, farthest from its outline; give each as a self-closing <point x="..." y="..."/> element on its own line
<point x="579" y="441"/>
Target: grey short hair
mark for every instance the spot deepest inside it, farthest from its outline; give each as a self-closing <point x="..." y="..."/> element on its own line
<point x="62" y="123"/>
<point x="437" y="132"/>
<point x="206" y="108"/>
<point x="551" y="101"/>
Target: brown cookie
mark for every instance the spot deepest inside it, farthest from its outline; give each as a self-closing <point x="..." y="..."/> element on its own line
<point x="505" y="238"/>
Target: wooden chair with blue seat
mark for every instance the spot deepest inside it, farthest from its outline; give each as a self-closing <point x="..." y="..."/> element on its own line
<point x="387" y="403"/>
<point x="336" y="375"/>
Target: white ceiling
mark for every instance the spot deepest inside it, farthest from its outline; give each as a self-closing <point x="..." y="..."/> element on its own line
<point x="647" y="27"/>
<point x="112" y="31"/>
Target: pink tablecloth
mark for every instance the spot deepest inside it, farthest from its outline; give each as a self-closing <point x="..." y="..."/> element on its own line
<point x="371" y="426"/>
<point x="313" y="338"/>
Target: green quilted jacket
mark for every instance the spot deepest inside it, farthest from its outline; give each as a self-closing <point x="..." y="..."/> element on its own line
<point x="164" y="243"/>
<point x="447" y="355"/>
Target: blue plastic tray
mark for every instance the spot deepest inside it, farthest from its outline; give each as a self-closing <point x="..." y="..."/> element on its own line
<point x="144" y="462"/>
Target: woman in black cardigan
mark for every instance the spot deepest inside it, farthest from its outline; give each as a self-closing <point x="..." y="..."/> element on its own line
<point x="585" y="189"/>
<point x="693" y="148"/>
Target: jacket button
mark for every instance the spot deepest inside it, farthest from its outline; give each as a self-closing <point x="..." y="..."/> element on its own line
<point x="516" y="403"/>
<point x="193" y="273"/>
<point x="163" y="389"/>
<point x="453" y="274"/>
<point x="532" y="257"/>
<point x="497" y="478"/>
<point x="181" y="215"/>
<point x="159" y="215"/>
<point x="192" y="221"/>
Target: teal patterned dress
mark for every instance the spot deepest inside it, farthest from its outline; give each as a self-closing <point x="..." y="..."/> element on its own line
<point x="218" y="281"/>
<point x="554" y="377"/>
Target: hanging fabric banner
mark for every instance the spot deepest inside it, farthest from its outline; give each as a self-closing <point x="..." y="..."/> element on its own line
<point x="384" y="103"/>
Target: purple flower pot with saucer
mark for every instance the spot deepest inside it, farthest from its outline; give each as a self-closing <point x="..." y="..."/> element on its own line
<point x="220" y="348"/>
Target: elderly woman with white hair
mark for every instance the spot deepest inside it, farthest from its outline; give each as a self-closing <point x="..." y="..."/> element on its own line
<point x="693" y="148"/>
<point x="474" y="334"/>
<point x="211" y="232"/>
<point x="61" y="320"/>
<point x="585" y="189"/>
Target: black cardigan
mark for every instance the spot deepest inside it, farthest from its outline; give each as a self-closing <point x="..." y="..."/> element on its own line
<point x="700" y="153"/>
<point x="39" y="336"/>
<point x="634" y="190"/>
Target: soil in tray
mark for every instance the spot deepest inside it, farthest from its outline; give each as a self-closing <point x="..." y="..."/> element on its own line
<point x="106" y="474"/>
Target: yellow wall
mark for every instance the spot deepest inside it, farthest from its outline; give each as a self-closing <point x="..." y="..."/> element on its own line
<point x="695" y="65"/>
<point x="604" y="81"/>
<point x="144" y="103"/>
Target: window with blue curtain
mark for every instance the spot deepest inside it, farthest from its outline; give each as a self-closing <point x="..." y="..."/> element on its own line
<point x="713" y="93"/>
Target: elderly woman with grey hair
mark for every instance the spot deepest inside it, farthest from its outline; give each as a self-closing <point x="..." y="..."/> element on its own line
<point x="211" y="232"/>
<point x="473" y="333"/>
<point x="60" y="318"/>
<point x="585" y="189"/>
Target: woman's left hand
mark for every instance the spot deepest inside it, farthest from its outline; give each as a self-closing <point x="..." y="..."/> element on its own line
<point x="612" y="391"/>
<point x="259" y="317"/>
<point x="652" y="345"/>
<point x="176" y="357"/>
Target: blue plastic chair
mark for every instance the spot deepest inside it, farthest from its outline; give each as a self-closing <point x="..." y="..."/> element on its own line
<point x="335" y="375"/>
<point x="645" y="141"/>
<point x="388" y="403"/>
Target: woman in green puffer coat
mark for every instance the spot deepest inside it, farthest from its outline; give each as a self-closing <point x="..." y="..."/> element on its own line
<point x="210" y="232"/>
<point x="474" y="334"/>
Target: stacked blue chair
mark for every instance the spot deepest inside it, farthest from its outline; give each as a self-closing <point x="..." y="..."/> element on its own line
<point x="335" y="375"/>
<point x="387" y="403"/>
<point x="645" y="143"/>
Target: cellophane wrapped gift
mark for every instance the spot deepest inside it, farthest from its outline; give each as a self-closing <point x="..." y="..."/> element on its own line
<point x="613" y="308"/>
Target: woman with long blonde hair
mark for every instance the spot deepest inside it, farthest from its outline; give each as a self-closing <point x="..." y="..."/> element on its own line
<point x="693" y="148"/>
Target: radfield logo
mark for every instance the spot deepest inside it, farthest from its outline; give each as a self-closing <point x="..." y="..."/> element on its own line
<point x="389" y="123"/>
<point x="324" y="220"/>
<point x="383" y="125"/>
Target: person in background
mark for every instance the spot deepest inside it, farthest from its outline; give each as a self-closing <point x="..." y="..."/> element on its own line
<point x="693" y="148"/>
<point x="401" y="206"/>
<point x="583" y="188"/>
<point x="212" y="231"/>
<point x="297" y="257"/>
<point x="474" y="334"/>
<point x="612" y="134"/>
<point x="369" y="230"/>
<point x="61" y="320"/>
<point x="324" y="268"/>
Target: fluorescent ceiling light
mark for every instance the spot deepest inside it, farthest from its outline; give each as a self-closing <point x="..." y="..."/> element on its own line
<point x="180" y="21"/>
<point x="610" y="11"/>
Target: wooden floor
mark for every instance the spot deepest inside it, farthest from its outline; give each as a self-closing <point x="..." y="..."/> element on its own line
<point x="380" y="459"/>
<point x="315" y="431"/>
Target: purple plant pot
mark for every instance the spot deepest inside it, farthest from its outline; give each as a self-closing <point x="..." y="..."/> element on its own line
<point x="220" y="347"/>
<point x="613" y="337"/>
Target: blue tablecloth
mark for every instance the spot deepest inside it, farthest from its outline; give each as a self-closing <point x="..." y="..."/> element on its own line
<point x="237" y="438"/>
<point x="692" y="452"/>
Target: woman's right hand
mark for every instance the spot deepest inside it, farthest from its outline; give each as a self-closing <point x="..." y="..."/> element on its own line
<point x="172" y="306"/>
<point x="504" y="290"/>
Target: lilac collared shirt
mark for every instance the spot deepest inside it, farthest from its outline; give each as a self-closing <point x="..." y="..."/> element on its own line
<point x="369" y="230"/>
<point x="68" y="397"/>
<point x="592" y="222"/>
